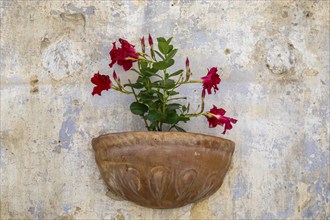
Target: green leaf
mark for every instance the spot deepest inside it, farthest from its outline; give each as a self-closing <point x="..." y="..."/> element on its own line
<point x="148" y="71"/>
<point x="157" y="104"/>
<point x="149" y="95"/>
<point x="141" y="80"/>
<point x="135" y="85"/>
<point x="161" y="39"/>
<point x="161" y="65"/>
<point x="143" y="64"/>
<point x="173" y="106"/>
<point x="154" y="115"/>
<point x="177" y="98"/>
<point x="169" y="63"/>
<point x="188" y="107"/>
<point x="171" y="54"/>
<point x="170" y="48"/>
<point x="152" y="70"/>
<point x="138" y="108"/>
<point x="160" y="55"/>
<point x="160" y="95"/>
<point x="172" y="93"/>
<point x="179" y="128"/>
<point x="163" y="47"/>
<point x="170" y="84"/>
<point x="176" y="73"/>
<point x="169" y="40"/>
<point x="184" y="118"/>
<point x="171" y="118"/>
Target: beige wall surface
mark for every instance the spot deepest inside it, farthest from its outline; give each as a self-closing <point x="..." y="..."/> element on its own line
<point x="274" y="57"/>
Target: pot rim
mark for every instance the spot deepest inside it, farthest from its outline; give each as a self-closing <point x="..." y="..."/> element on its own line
<point x="96" y="140"/>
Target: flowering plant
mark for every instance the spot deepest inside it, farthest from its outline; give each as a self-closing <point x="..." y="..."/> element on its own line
<point x="155" y="90"/>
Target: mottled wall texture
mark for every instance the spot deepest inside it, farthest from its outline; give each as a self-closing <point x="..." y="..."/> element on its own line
<point x="274" y="56"/>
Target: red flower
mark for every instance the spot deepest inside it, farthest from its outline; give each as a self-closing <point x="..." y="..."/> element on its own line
<point x="102" y="82"/>
<point x="121" y="55"/>
<point x="216" y="117"/>
<point x="211" y="80"/>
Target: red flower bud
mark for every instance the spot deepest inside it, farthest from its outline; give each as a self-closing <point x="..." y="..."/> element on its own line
<point x="188" y="72"/>
<point x="150" y="40"/>
<point x="143" y="45"/>
<point x="114" y="75"/>
<point x="187" y="63"/>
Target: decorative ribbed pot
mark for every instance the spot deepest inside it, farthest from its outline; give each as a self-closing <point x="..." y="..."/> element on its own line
<point x="162" y="169"/>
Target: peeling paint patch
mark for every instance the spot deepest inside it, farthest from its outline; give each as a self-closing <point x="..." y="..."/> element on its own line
<point x="67" y="208"/>
<point x="89" y="10"/>
<point x="312" y="210"/>
<point x="61" y="59"/>
<point x="34" y="84"/>
<point x="68" y="129"/>
<point x="31" y="210"/>
<point x="119" y="215"/>
<point x="227" y="51"/>
<point x="76" y="18"/>
<point x="278" y="54"/>
<point x="315" y="158"/>
<point x="240" y="187"/>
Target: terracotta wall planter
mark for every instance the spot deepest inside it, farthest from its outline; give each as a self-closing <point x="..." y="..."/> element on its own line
<point x="162" y="169"/>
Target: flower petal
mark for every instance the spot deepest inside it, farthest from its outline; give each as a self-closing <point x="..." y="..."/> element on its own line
<point x="218" y="118"/>
<point x="120" y="55"/>
<point x="211" y="80"/>
<point x="102" y="82"/>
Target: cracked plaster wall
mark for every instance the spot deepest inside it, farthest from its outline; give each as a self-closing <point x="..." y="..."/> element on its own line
<point x="274" y="57"/>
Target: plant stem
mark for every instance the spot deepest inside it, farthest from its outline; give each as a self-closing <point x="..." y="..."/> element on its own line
<point x="200" y="112"/>
<point x="136" y="98"/>
<point x="122" y="90"/>
<point x="164" y="101"/>
<point x="188" y="82"/>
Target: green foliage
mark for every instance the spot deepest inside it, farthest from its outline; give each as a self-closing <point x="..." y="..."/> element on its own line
<point x="155" y="89"/>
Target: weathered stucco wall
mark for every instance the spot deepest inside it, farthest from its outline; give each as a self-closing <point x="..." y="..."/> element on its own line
<point x="275" y="61"/>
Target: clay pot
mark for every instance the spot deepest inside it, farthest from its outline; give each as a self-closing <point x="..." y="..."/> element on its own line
<point x="162" y="169"/>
